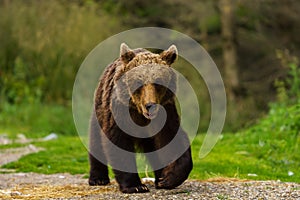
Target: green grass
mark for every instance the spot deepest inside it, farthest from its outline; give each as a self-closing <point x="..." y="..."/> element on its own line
<point x="231" y="157"/>
<point x="270" y="149"/>
<point x="65" y="154"/>
<point x="237" y="155"/>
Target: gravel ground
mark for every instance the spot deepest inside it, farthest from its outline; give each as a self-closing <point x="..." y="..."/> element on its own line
<point x="65" y="186"/>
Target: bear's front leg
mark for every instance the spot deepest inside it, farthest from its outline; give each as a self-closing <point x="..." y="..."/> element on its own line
<point x="97" y="159"/>
<point x="130" y="182"/>
<point x="176" y="173"/>
<point x="98" y="172"/>
<point x="122" y="160"/>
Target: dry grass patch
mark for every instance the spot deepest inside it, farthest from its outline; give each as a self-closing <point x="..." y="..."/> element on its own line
<point x="30" y="191"/>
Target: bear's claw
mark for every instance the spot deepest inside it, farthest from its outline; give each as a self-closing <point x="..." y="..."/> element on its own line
<point x="166" y="183"/>
<point x="95" y="182"/>
<point x="138" y="189"/>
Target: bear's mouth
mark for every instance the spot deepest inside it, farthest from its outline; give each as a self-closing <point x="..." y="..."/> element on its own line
<point x="149" y="115"/>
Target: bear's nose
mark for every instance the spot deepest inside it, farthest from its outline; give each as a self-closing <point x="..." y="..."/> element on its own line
<point x="150" y="106"/>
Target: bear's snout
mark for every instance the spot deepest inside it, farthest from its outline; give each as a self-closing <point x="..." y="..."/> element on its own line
<point x="151" y="110"/>
<point x="150" y="106"/>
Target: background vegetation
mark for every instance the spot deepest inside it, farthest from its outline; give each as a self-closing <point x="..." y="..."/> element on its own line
<point x="43" y="44"/>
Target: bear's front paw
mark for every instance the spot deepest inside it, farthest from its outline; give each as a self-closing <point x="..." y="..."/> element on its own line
<point x="169" y="181"/>
<point x="137" y="189"/>
<point x="98" y="181"/>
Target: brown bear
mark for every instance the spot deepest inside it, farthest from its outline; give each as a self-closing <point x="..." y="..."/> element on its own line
<point x="143" y="84"/>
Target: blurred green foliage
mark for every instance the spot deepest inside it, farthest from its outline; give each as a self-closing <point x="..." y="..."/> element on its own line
<point x="36" y="120"/>
<point x="276" y="137"/>
<point x="42" y="46"/>
<point x="288" y="89"/>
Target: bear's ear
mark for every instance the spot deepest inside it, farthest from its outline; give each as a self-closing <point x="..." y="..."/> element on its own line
<point x="126" y="53"/>
<point x="170" y="55"/>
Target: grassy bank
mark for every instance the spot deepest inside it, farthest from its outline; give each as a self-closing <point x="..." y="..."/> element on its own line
<point x="267" y="151"/>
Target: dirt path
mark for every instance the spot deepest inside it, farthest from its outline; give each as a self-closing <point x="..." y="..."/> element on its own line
<point x="66" y="186"/>
<point x="13" y="154"/>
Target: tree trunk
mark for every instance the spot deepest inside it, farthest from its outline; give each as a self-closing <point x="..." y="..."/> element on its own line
<point x="229" y="47"/>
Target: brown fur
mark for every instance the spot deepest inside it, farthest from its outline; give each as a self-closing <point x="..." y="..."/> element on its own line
<point x="148" y="68"/>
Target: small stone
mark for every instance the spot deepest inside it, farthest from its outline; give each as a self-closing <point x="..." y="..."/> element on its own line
<point x="4" y="139"/>
<point x="15" y="193"/>
<point x="52" y="136"/>
<point x="254" y="175"/>
<point x="290" y="173"/>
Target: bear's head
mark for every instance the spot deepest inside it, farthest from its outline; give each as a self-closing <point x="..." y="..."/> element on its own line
<point x="147" y="79"/>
